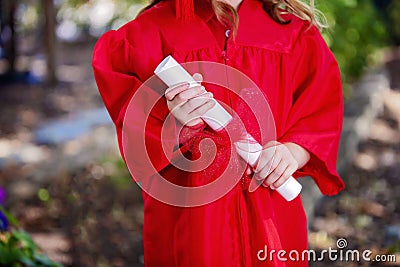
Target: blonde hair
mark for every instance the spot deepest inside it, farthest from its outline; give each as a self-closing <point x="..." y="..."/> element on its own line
<point x="228" y="15"/>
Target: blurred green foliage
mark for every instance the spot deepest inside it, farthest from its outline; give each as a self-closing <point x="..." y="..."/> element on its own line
<point x="394" y="18"/>
<point x="356" y="32"/>
<point x="117" y="172"/>
<point x="17" y="249"/>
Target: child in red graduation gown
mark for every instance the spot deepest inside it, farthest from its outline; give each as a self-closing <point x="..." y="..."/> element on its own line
<point x="289" y="61"/>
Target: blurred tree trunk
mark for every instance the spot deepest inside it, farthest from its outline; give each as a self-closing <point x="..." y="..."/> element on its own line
<point x="7" y="20"/>
<point x="50" y="41"/>
<point x="13" y="50"/>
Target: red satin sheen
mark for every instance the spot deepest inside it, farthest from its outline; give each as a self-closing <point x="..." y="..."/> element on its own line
<point x="184" y="9"/>
<point x="299" y="75"/>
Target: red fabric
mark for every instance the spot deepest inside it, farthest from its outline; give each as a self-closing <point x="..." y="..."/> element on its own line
<point x="299" y="75"/>
<point x="184" y="9"/>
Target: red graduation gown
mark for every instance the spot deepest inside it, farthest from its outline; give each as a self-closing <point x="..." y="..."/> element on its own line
<point x="298" y="73"/>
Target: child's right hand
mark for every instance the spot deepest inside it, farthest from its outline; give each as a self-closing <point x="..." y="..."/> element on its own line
<point x="189" y="104"/>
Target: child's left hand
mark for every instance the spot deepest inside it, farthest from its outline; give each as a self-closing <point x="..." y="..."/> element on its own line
<point x="278" y="162"/>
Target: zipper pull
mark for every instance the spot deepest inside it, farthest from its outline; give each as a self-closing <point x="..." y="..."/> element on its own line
<point x="224" y="52"/>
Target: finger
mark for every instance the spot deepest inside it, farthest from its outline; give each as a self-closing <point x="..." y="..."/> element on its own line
<point x="192" y="104"/>
<point x="273" y="143"/>
<point x="173" y="91"/>
<point x="198" y="77"/>
<point x="193" y="122"/>
<point x="200" y="110"/>
<point x="286" y="175"/>
<point x="189" y="94"/>
<point x="276" y="151"/>
<point x="269" y="167"/>
<point x="276" y="174"/>
<point x="266" y="156"/>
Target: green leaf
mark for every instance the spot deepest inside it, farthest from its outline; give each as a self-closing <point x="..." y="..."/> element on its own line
<point x="12" y="241"/>
<point x="20" y="250"/>
<point x="28" y="262"/>
<point x="3" y="255"/>
<point x="25" y="238"/>
<point x="11" y="219"/>
<point x="7" y="256"/>
<point x="43" y="259"/>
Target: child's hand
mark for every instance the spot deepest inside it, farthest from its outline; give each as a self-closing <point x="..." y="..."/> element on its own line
<point x="278" y="162"/>
<point x="189" y="104"/>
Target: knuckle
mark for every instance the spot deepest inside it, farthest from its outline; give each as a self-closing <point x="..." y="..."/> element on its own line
<point x="193" y="89"/>
<point x="181" y="98"/>
<point x="199" y="90"/>
<point x="280" y="170"/>
<point x="190" y="104"/>
<point x="287" y="174"/>
<point x="278" y="183"/>
<point x="273" y="175"/>
<point x="173" y="108"/>
<point x="195" y="113"/>
<point x="211" y="103"/>
<point x="178" y="99"/>
<point x="274" y="163"/>
<point x="272" y="178"/>
<point x="262" y="175"/>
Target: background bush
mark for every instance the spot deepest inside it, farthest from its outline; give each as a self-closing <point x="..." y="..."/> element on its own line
<point x="356" y="29"/>
<point x="355" y="35"/>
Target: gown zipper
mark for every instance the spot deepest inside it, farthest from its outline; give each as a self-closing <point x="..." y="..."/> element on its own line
<point x="224" y="52"/>
<point x="225" y="57"/>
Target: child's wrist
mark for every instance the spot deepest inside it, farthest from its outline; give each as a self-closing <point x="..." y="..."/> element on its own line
<point x="301" y="155"/>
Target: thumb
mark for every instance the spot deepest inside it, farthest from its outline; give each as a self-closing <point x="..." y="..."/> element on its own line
<point x="198" y="77"/>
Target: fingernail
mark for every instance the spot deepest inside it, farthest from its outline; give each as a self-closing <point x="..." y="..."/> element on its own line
<point x="272" y="187"/>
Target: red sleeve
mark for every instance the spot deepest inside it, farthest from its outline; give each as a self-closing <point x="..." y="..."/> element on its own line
<point x="315" y="119"/>
<point x="122" y="61"/>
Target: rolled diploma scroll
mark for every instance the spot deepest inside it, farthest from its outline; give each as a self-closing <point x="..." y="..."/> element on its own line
<point x="250" y="150"/>
<point x="172" y="73"/>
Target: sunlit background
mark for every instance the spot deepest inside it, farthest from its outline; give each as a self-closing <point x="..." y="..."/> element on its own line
<point x="61" y="175"/>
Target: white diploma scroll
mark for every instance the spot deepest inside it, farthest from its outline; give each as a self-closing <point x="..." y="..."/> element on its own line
<point x="172" y="73"/>
<point x="250" y="150"/>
